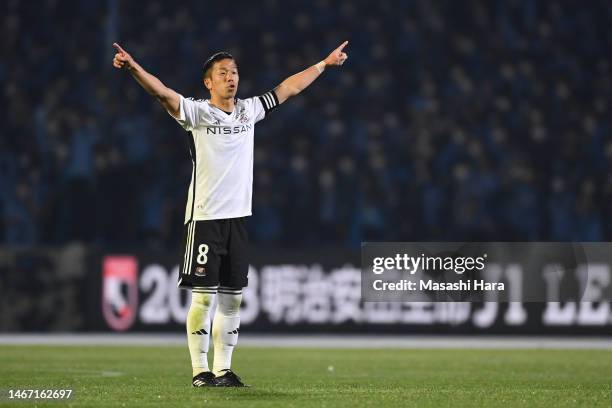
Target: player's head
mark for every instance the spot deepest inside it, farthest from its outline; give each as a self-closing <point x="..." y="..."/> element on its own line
<point x="221" y="75"/>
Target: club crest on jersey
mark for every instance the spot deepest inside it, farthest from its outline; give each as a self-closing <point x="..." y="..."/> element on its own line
<point x="119" y="291"/>
<point x="200" y="271"/>
<point x="242" y="116"/>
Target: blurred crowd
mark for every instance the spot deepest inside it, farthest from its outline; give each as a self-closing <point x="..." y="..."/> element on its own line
<point x="470" y="120"/>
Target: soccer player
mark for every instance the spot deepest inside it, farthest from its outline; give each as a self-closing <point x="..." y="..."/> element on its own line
<point x="215" y="264"/>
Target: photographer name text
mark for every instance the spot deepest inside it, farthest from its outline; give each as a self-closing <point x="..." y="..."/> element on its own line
<point x="432" y="285"/>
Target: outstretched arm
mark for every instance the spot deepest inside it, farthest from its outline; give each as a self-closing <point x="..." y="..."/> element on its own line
<point x="166" y="96"/>
<point x="300" y="81"/>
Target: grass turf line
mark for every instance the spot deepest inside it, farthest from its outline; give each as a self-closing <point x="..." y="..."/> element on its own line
<point x="128" y="376"/>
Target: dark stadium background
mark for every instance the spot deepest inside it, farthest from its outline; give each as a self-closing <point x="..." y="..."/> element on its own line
<point x="451" y="121"/>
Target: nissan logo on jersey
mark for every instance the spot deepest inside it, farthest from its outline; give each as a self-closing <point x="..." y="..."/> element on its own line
<point x="227" y="130"/>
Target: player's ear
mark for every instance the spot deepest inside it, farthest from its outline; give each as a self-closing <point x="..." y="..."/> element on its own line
<point x="207" y="83"/>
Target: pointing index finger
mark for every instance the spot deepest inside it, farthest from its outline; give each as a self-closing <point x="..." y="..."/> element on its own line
<point x="341" y="47"/>
<point x="118" y="48"/>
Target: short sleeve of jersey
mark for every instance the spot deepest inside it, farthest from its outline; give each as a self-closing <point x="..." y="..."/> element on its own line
<point x="191" y="113"/>
<point x="264" y="104"/>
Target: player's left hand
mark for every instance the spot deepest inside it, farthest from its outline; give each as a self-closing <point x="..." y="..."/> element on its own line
<point x="337" y="57"/>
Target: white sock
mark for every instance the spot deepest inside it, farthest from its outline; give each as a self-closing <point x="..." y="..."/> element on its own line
<point x="225" y="327"/>
<point x="198" y="330"/>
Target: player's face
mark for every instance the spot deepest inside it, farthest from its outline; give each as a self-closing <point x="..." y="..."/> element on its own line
<point x="224" y="78"/>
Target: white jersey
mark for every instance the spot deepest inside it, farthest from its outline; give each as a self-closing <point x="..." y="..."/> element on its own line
<point x="221" y="148"/>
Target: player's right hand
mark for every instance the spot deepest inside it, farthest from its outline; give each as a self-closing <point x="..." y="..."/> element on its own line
<point x="122" y="59"/>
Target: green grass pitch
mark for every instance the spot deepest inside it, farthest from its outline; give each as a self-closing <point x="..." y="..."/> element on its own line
<point x="119" y="376"/>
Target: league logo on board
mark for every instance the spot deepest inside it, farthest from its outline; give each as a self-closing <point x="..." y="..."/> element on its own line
<point x="119" y="291"/>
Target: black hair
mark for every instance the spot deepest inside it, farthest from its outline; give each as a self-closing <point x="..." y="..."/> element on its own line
<point x="214" y="58"/>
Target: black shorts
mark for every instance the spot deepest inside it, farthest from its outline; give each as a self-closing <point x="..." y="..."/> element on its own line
<point x="215" y="254"/>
